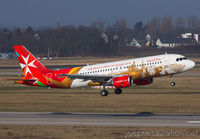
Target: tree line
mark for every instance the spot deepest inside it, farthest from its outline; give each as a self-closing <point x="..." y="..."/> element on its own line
<point x="97" y="39"/>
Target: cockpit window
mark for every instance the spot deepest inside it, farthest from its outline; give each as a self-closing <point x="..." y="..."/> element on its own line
<point x="180" y="59"/>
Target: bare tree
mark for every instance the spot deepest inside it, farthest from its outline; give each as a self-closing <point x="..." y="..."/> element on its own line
<point x="166" y="25"/>
<point x="153" y="27"/>
<point x="193" y="23"/>
<point x="180" y="25"/>
<point x="99" y="25"/>
<point x="121" y="22"/>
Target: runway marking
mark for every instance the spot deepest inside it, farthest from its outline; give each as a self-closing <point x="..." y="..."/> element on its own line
<point x="193" y="122"/>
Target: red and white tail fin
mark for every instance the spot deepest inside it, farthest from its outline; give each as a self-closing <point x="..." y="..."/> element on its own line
<point x="31" y="67"/>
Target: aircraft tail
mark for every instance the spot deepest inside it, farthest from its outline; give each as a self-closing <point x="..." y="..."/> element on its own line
<point x="31" y="67"/>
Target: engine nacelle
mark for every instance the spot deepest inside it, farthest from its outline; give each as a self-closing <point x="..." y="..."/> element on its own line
<point x="122" y="82"/>
<point x="143" y="81"/>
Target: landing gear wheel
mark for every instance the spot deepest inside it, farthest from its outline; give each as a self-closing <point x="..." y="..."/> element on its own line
<point x="172" y="83"/>
<point x="104" y="93"/>
<point x="118" y="91"/>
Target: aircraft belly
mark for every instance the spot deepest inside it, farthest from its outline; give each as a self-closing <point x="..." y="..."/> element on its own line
<point x="79" y="83"/>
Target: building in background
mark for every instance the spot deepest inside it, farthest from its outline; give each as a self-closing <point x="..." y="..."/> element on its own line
<point x="175" y="42"/>
<point x="4" y="56"/>
<point x="190" y="35"/>
<point x="135" y="43"/>
<point x="185" y="39"/>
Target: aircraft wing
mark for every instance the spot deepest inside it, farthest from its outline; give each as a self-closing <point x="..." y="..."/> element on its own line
<point x="94" y="78"/>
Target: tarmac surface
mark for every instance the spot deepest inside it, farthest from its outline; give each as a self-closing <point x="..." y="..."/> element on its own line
<point x="144" y="119"/>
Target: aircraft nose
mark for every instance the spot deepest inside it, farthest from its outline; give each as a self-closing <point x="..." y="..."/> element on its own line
<point x="189" y="64"/>
<point x="192" y="64"/>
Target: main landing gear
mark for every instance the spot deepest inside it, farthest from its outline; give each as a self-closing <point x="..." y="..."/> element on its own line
<point x="118" y="91"/>
<point x="104" y="92"/>
<point x="172" y="83"/>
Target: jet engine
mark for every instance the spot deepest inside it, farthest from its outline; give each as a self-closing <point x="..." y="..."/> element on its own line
<point x="122" y="82"/>
<point x="143" y="81"/>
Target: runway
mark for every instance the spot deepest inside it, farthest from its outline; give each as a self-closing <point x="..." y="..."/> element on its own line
<point x="100" y="119"/>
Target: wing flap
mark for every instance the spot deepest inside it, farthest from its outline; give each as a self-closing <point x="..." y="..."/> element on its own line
<point x="94" y="78"/>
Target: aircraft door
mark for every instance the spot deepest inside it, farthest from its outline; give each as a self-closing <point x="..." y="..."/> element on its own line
<point x="49" y="77"/>
<point x="166" y="60"/>
<point x="166" y="64"/>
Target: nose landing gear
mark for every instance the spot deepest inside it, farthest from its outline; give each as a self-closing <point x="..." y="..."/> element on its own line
<point x="172" y="83"/>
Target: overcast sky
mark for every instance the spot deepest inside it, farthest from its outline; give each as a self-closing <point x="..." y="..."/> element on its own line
<point x="39" y="13"/>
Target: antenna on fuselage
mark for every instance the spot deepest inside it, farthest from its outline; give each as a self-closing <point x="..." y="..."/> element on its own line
<point x="165" y="53"/>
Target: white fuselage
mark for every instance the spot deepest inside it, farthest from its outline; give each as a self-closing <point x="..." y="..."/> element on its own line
<point x="152" y="66"/>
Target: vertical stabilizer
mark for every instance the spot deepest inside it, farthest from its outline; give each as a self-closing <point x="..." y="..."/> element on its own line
<point x="31" y="67"/>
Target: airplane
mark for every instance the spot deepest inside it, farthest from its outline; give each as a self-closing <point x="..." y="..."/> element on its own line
<point x="118" y="74"/>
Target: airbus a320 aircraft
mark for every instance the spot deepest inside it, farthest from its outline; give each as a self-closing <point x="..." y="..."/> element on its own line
<point x="119" y="74"/>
